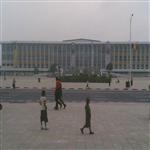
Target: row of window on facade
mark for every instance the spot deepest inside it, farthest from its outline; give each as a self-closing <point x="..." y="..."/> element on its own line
<point x="142" y="57"/>
<point x="82" y="49"/>
<point x="137" y="66"/>
<point x="71" y="45"/>
<point x="81" y="52"/>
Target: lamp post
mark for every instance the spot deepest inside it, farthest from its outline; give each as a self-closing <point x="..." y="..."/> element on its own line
<point x="59" y="74"/>
<point x="131" y="80"/>
<point x="149" y="99"/>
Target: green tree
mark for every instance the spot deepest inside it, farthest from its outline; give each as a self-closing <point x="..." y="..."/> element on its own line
<point x="53" y="68"/>
<point x="36" y="70"/>
<point x="109" y="67"/>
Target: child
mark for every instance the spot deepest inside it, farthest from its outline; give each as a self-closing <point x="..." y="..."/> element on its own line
<point x="88" y="117"/>
<point x="43" y="117"/>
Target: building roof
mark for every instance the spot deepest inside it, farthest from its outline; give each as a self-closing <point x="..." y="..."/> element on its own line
<point x="80" y="40"/>
<point x="73" y="41"/>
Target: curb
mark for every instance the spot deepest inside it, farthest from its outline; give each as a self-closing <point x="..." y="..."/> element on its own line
<point x="105" y="89"/>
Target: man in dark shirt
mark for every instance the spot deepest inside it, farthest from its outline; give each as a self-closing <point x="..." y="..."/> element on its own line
<point x="87" y="117"/>
<point x="1" y="106"/>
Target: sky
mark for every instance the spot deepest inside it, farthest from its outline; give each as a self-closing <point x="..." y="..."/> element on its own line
<point x="49" y="20"/>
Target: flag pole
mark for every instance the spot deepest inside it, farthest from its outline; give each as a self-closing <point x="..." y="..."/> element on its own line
<point x="131" y="80"/>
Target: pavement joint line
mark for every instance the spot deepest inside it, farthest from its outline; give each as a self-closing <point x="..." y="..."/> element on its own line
<point x="107" y="135"/>
<point x="106" y="89"/>
<point x="7" y="87"/>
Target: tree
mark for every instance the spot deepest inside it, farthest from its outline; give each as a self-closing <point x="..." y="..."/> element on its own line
<point x="109" y="67"/>
<point x="36" y="70"/>
<point x="53" y="68"/>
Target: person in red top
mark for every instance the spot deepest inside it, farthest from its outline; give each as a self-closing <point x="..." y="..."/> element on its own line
<point x="58" y="95"/>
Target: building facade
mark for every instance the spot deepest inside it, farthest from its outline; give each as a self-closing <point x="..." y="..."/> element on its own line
<point x="76" y="56"/>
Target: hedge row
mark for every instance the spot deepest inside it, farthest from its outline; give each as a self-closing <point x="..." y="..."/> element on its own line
<point x="85" y="77"/>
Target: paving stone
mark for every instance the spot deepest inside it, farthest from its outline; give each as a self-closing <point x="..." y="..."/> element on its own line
<point x="46" y="82"/>
<point x="117" y="126"/>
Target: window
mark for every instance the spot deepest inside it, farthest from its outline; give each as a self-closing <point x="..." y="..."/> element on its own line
<point x="120" y="66"/>
<point x="142" y="66"/>
<point x="120" y="57"/>
<point x="133" y="66"/>
<point x="116" y="66"/>
<point x="125" y="66"/>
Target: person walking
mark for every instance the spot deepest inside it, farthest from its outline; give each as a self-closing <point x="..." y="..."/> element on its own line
<point x="14" y="83"/>
<point x="39" y="79"/>
<point x="58" y="95"/>
<point x="87" y="85"/>
<point x="43" y="117"/>
<point x="117" y="81"/>
<point x="87" y="117"/>
<point x="1" y="106"/>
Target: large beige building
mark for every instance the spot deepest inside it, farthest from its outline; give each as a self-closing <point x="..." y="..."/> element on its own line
<point x="75" y="55"/>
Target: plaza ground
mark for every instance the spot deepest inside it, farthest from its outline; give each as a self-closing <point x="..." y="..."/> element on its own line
<point x="117" y="126"/>
<point x="32" y="81"/>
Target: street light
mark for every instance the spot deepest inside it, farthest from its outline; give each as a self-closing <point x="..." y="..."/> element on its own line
<point x="131" y="80"/>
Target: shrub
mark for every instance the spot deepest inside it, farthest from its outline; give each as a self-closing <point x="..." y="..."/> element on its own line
<point x="86" y="77"/>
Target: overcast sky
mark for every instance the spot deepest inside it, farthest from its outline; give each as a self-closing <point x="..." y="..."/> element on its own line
<point x="56" y="21"/>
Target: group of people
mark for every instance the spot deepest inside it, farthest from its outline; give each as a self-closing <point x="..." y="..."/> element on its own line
<point x="59" y="102"/>
<point x="43" y="102"/>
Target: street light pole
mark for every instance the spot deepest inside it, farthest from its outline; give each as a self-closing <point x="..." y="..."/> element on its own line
<point x="131" y="82"/>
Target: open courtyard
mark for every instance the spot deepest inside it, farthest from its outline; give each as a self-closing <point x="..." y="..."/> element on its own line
<point x="49" y="83"/>
<point x="117" y="126"/>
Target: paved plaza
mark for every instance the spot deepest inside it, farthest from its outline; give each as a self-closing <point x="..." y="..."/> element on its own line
<point x="117" y="126"/>
<point x="32" y="81"/>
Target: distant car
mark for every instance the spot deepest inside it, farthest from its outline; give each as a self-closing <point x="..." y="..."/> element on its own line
<point x="41" y="75"/>
<point x="68" y="74"/>
<point x="104" y="74"/>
